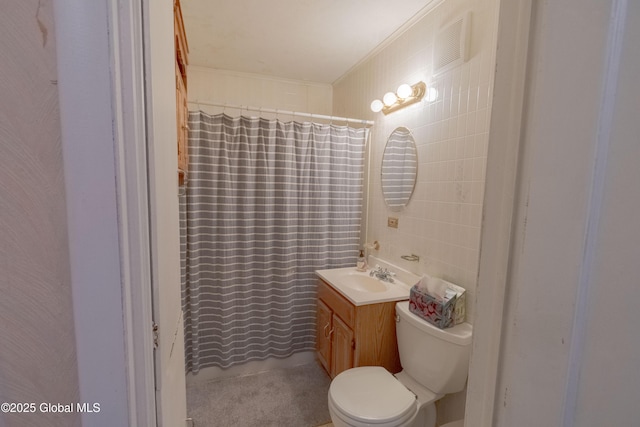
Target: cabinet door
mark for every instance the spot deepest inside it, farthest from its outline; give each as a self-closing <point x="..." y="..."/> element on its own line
<point x="323" y="335"/>
<point x="182" y="114"/>
<point x="343" y="345"/>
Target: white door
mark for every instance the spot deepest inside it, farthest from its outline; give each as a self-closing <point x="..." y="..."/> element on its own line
<point x="163" y="207"/>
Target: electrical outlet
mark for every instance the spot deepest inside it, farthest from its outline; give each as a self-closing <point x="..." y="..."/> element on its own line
<point x="392" y="222"/>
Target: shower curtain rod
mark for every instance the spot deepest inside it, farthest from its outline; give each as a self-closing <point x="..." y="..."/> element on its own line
<point x="287" y="113"/>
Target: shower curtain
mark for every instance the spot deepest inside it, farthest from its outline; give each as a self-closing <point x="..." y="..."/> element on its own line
<point x="266" y="204"/>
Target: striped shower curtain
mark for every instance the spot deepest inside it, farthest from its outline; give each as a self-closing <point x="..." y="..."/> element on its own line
<point x="266" y="204"/>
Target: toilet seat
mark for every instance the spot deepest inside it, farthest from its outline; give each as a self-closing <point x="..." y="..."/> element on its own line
<point x="370" y="395"/>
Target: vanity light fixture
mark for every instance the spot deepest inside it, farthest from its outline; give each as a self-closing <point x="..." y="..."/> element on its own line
<point x="405" y="95"/>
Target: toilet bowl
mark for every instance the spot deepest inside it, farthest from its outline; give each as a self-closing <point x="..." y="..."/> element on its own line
<point x="370" y="396"/>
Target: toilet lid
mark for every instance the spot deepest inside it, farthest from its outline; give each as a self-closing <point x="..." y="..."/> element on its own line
<point x="371" y="394"/>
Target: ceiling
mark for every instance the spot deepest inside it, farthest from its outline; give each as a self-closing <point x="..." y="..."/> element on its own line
<point x="310" y="40"/>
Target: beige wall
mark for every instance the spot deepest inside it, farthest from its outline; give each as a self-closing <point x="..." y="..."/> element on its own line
<point x="242" y="89"/>
<point x="442" y="221"/>
<point x="37" y="354"/>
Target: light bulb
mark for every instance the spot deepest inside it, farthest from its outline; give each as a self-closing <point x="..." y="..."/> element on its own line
<point x="432" y="94"/>
<point x="404" y="91"/>
<point x="376" y="106"/>
<point x="389" y="98"/>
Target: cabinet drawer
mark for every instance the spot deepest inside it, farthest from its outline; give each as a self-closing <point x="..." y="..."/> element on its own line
<point x="339" y="304"/>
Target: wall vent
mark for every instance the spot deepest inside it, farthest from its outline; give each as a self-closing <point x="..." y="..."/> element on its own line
<point x="451" y="47"/>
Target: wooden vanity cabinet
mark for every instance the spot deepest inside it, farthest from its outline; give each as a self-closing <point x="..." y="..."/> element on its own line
<point x="349" y="336"/>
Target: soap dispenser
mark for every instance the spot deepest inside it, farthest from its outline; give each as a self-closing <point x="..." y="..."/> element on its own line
<point x="361" y="264"/>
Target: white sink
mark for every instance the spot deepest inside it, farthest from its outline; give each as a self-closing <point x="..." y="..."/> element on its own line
<point x="364" y="283"/>
<point x="360" y="288"/>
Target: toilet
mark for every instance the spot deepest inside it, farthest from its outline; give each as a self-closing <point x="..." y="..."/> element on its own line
<point x="435" y="362"/>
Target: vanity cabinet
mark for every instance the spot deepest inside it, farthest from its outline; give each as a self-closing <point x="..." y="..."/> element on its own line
<point x="335" y="341"/>
<point x="349" y="336"/>
<point x="182" y="109"/>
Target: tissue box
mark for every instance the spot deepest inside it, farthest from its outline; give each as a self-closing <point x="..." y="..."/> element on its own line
<point x="442" y="313"/>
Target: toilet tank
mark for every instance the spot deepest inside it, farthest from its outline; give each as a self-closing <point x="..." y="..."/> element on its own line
<point x="436" y="358"/>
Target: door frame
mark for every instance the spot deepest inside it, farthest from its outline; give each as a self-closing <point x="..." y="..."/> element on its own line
<point x="100" y="63"/>
<point x="513" y="37"/>
<point x="130" y="103"/>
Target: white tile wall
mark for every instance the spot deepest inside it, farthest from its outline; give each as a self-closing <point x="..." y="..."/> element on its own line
<point x="441" y="223"/>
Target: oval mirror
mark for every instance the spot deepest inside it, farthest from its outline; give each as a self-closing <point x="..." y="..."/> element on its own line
<point x="399" y="168"/>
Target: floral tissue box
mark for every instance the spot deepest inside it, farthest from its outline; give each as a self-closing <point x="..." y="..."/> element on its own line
<point x="441" y="303"/>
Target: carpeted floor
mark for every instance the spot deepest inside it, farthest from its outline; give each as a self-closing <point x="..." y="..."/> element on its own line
<point x="293" y="397"/>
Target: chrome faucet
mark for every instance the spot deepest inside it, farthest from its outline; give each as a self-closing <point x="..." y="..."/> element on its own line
<point x="383" y="274"/>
